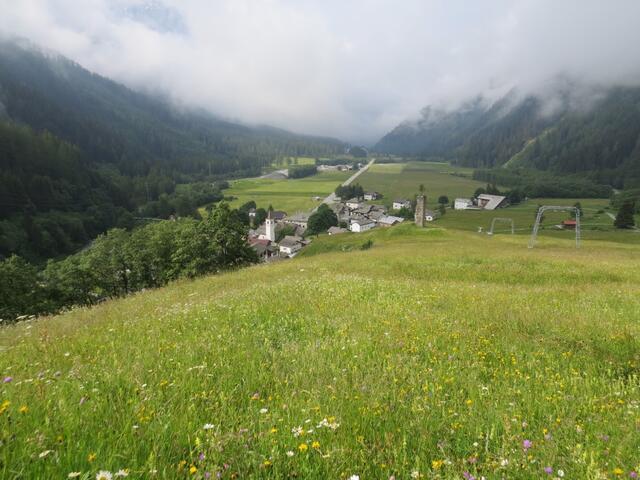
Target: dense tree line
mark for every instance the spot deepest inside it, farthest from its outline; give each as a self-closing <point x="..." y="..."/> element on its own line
<point x="301" y="171"/>
<point x="349" y="191"/>
<point x="321" y="220"/>
<point x="534" y="183"/>
<point x="120" y="262"/>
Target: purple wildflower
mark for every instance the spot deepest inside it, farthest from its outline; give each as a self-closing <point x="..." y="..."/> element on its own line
<point x="207" y="474"/>
<point x="548" y="470"/>
<point x="527" y="444"/>
<point x="633" y="474"/>
<point x="468" y="476"/>
<point x="201" y="457"/>
<point x="7" y="379"/>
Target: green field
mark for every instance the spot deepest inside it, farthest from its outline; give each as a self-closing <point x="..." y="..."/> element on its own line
<point x="293" y="195"/>
<point x="435" y="354"/>
<point x="402" y="180"/>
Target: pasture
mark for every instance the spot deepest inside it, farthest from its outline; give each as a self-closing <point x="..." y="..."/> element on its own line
<point x="436" y="354"/>
<point x="401" y="180"/>
<point x="291" y="195"/>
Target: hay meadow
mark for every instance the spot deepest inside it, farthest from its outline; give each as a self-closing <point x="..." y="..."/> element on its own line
<point x="435" y="354"/>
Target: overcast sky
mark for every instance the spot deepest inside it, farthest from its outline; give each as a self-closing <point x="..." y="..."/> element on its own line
<point x="352" y="69"/>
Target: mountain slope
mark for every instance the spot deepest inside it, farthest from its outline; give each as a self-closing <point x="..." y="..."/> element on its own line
<point x="399" y="359"/>
<point x="135" y="132"/>
<point x="602" y="140"/>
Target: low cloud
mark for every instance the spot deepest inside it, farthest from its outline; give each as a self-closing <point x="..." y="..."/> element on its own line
<point x="352" y="70"/>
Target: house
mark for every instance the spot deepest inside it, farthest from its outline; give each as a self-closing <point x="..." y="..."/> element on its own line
<point x="361" y="225"/>
<point x="371" y="196"/>
<point x="336" y="230"/>
<point x="390" y="221"/>
<point x="491" y="202"/>
<point x="278" y="215"/>
<point x="289" y="245"/>
<point x="401" y="203"/>
<point x="363" y="209"/>
<point x="353" y="203"/>
<point x="300" y="219"/>
<point x="569" y="224"/>
<point x="462" y="204"/>
<point x="430" y="215"/>
<point x="264" y="248"/>
<point x="252" y="213"/>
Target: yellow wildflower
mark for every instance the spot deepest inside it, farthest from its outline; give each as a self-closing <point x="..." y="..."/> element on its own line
<point x="193" y="469"/>
<point x="24" y="409"/>
<point x="274" y="430"/>
<point x="618" y="471"/>
<point x="303" y="447"/>
<point x="437" y="464"/>
<point x="315" y="445"/>
<point x="469" y="402"/>
<point x="266" y="463"/>
<point x="91" y="457"/>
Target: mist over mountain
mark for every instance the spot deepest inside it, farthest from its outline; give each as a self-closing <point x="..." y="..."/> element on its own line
<point x="573" y="130"/>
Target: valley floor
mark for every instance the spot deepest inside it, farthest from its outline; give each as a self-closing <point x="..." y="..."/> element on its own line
<point x="434" y="354"/>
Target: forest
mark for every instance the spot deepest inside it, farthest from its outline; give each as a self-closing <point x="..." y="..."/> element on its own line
<point x="80" y="154"/>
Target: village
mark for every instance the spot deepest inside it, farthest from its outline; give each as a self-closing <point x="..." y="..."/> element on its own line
<point x="355" y="215"/>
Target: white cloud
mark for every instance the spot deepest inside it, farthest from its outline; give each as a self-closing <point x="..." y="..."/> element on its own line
<point x="347" y="69"/>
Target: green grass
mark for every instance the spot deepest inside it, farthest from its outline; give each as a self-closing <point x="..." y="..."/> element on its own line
<point x="401" y="180"/>
<point x="437" y="351"/>
<point x="290" y="195"/>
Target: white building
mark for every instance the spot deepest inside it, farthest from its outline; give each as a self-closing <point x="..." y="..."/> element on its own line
<point x="401" y="203"/>
<point x="462" y="204"/>
<point x="353" y="203"/>
<point x="362" y="225"/>
<point x="290" y="245"/>
<point x="430" y="215"/>
<point x="371" y="196"/>
<point x="390" y="221"/>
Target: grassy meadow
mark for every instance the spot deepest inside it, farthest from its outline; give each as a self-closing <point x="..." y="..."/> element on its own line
<point x="290" y="195"/>
<point x="401" y="180"/>
<point x="435" y="354"/>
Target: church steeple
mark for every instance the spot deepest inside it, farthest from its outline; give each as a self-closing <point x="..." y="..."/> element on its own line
<point x="270" y="227"/>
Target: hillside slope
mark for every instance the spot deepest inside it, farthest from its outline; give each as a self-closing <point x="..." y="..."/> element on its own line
<point x="441" y="353"/>
<point x="600" y="138"/>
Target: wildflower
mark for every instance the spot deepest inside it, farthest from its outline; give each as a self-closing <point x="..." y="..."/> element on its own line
<point x="290" y="454"/>
<point x="633" y="474"/>
<point x="274" y="430"/>
<point x="548" y="470"/>
<point x="315" y="445"/>
<point x="82" y="400"/>
<point x="303" y="447"/>
<point x="264" y="410"/>
<point x="201" y="457"/>
<point x="415" y="474"/>
<point x="104" y="475"/>
<point x="297" y="431"/>
<point x="91" y="457"/>
<point x="122" y="473"/>
<point x="208" y="426"/>
<point x="354" y="477"/>
<point x="561" y="473"/>
<point x="192" y="469"/>
<point x="45" y="453"/>
<point x="504" y="462"/>
<point x="266" y="463"/>
<point x="7" y="380"/>
<point x="527" y="444"/>
<point x="4" y="406"/>
<point x="436" y="464"/>
<point x="74" y="474"/>
<point x="468" y="476"/>
<point x="24" y="409"/>
<point x="618" y="471"/>
<point x="469" y="402"/>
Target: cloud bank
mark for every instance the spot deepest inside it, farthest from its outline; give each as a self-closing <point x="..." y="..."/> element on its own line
<point x="352" y="69"/>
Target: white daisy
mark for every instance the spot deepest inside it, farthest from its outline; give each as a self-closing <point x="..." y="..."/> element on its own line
<point x="290" y="453"/>
<point x="122" y="473"/>
<point x="208" y="426"/>
<point x="104" y="475"/>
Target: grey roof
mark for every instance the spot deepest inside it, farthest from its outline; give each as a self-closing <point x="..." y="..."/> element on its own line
<point x="390" y="220"/>
<point x="493" y="201"/>
<point x="290" y="241"/>
<point x="335" y="230"/>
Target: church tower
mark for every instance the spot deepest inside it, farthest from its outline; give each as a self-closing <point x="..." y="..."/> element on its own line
<point x="420" y="201"/>
<point x="270" y="227"/>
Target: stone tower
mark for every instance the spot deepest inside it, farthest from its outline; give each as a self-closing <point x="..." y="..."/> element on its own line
<point x="420" y="201"/>
<point x="270" y="227"/>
